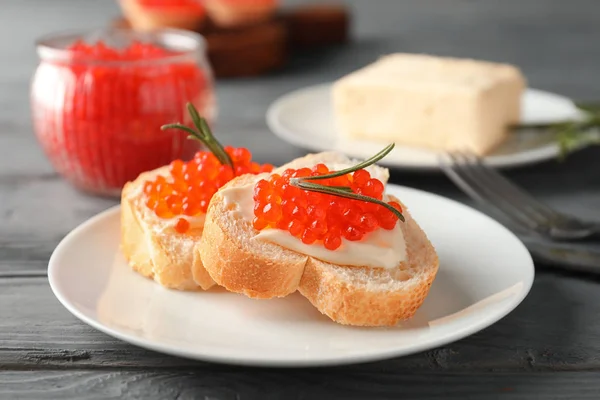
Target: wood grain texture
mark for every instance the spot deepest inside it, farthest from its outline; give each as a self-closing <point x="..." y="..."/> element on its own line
<point x="549" y="347"/>
<point x="548" y="332"/>
<point x="263" y="384"/>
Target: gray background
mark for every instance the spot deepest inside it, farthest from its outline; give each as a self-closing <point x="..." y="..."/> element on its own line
<point x="548" y="348"/>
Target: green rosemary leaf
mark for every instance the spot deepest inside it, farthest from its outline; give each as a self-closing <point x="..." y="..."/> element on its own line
<point x="209" y="138"/>
<point x="205" y="129"/>
<point x="573" y="135"/>
<point x="336" y="191"/>
<point x="361" y="165"/>
<point x="193" y="134"/>
<point x="203" y="134"/>
<point x="344" y="188"/>
<point x="592" y="107"/>
<point x="196" y="119"/>
<point x="571" y="139"/>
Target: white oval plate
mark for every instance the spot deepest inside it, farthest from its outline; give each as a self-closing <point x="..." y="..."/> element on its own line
<point x="485" y="272"/>
<point x="304" y="118"/>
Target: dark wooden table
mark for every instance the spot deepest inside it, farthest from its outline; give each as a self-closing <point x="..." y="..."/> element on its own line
<point x="549" y="347"/>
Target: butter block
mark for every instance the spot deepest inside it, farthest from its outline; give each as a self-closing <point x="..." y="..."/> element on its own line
<point x="433" y="102"/>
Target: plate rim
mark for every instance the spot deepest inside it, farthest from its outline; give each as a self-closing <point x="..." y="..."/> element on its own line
<point x="530" y="157"/>
<point x="462" y="333"/>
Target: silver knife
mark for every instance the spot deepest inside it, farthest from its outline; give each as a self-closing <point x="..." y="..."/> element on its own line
<point x="584" y="257"/>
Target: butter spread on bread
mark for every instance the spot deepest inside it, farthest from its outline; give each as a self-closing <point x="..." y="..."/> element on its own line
<point x="239" y="259"/>
<point x="151" y="245"/>
<point x="379" y="249"/>
<point x="163" y="211"/>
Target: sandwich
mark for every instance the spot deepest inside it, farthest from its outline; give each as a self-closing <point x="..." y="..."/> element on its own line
<point x="163" y="210"/>
<point x="322" y="225"/>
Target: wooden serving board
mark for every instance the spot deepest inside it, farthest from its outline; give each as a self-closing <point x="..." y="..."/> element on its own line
<point x="317" y="25"/>
<point x="265" y="47"/>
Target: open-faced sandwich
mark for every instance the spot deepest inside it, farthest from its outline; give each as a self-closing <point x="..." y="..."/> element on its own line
<point x="323" y="225"/>
<point x="163" y="211"/>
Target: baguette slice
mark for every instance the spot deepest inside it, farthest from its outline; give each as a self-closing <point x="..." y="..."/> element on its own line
<point x="153" y="248"/>
<point x="349" y="295"/>
<point x="371" y="296"/>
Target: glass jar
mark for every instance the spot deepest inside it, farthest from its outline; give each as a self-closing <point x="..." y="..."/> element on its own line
<point x="99" y="100"/>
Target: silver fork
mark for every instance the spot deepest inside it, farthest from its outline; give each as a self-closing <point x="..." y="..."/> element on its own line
<point x="487" y="186"/>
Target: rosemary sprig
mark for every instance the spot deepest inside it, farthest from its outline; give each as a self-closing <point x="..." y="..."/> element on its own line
<point x="591" y="107"/>
<point x="574" y="135"/>
<point x="362" y="165"/>
<point x="314" y="187"/>
<point x="342" y="191"/>
<point x="342" y="188"/>
<point x="202" y="134"/>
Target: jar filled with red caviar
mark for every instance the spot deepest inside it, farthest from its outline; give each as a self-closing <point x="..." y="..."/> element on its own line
<point x="99" y="100"/>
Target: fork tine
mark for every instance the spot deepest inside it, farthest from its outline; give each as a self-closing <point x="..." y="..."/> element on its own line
<point x="542" y="211"/>
<point x="490" y="184"/>
<point x="495" y="195"/>
<point x="463" y="178"/>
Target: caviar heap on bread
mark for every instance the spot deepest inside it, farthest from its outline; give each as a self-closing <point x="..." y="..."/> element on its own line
<point x="328" y="227"/>
<point x="320" y="206"/>
<point x="189" y="186"/>
<point x="163" y="211"/>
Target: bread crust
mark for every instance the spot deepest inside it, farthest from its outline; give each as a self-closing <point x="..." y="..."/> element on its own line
<point x="166" y="256"/>
<point x="345" y="294"/>
<point x="356" y="303"/>
<point x="231" y="262"/>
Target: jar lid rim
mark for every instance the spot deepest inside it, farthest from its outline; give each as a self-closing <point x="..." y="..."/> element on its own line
<point x="184" y="42"/>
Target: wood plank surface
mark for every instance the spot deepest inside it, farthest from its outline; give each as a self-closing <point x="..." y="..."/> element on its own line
<point x="548" y="332"/>
<point x="301" y="385"/>
<point x="548" y="348"/>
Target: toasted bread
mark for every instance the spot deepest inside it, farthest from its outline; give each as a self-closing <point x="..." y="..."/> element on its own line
<point x="153" y="248"/>
<point x="350" y="295"/>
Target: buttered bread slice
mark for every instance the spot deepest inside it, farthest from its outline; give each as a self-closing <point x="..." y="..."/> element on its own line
<point x="163" y="210"/>
<point x="153" y="247"/>
<point x="377" y="280"/>
<point x="432" y="102"/>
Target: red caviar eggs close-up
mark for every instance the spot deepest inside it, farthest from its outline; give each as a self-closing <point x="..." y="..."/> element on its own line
<point x="321" y="217"/>
<point x="189" y="186"/>
<point x="135" y="51"/>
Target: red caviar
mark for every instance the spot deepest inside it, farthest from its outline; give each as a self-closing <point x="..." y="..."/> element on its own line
<point x="318" y="217"/>
<point x="98" y="109"/>
<point x="100" y="51"/>
<point x="188" y="188"/>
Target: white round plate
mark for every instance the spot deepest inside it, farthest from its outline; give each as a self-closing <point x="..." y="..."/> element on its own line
<point x="485" y="272"/>
<point x="304" y="118"/>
